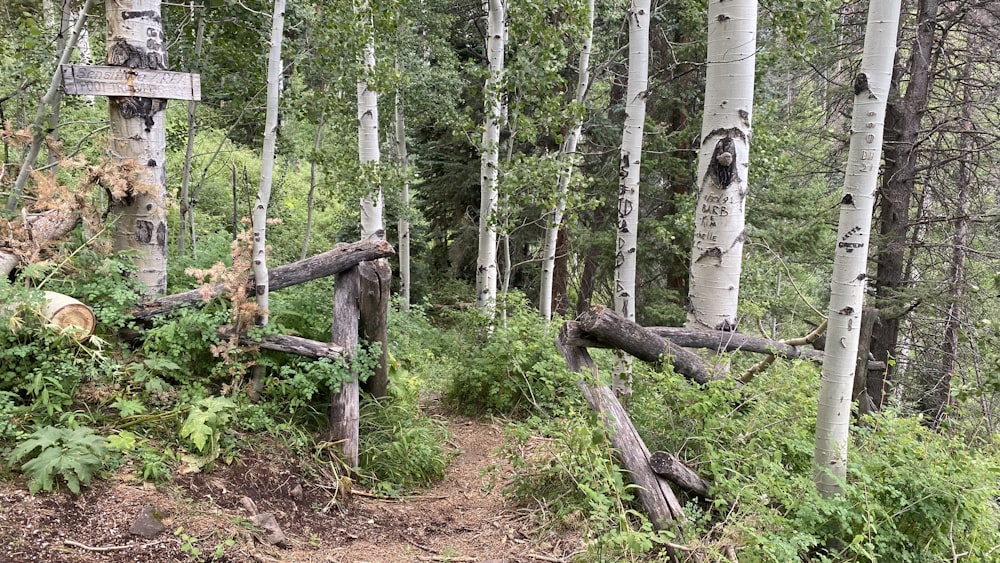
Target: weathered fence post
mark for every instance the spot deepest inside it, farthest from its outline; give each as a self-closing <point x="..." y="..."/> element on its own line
<point x="344" y="402"/>
<point x="375" y="278"/>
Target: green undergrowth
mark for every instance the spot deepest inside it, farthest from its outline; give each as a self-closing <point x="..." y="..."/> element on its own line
<point x="171" y="397"/>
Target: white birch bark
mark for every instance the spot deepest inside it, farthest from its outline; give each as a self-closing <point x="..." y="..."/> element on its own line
<point x="847" y="288"/>
<point x="628" y="172"/>
<point x="372" y="226"/>
<point x="723" y="164"/>
<point x="486" y="263"/>
<point x="567" y="155"/>
<point x="259" y="214"/>
<point x="46" y="105"/>
<point x="404" y="222"/>
<point x="138" y="134"/>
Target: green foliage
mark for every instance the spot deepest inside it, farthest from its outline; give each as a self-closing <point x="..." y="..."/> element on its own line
<point x="401" y="448"/>
<point x="510" y="368"/>
<point x="205" y="423"/>
<point x="912" y="495"/>
<point x="572" y="470"/>
<point x="51" y="453"/>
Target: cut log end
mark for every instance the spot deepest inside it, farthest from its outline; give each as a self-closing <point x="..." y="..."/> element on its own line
<point x="65" y="311"/>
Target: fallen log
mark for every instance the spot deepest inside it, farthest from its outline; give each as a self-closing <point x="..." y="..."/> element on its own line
<point x="668" y="465"/>
<point x="717" y="340"/>
<point x="604" y="325"/>
<point x="341" y="257"/>
<point x="287" y="344"/>
<point x="654" y="492"/>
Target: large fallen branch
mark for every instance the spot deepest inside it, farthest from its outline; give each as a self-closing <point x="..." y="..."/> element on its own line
<point x="601" y="328"/>
<point x="668" y="465"/>
<point x="341" y="257"/>
<point x="654" y="491"/>
<point x="287" y="344"/>
<point x="603" y="325"/>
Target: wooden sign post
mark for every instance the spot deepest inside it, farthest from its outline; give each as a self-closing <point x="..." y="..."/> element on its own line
<point x="138" y="85"/>
<point x="120" y="81"/>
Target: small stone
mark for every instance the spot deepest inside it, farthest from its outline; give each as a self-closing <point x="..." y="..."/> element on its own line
<point x="297" y="493"/>
<point x="267" y="523"/>
<point x="147" y="523"/>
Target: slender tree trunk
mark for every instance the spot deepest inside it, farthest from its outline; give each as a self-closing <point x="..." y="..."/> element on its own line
<point x="847" y="289"/>
<point x="723" y="166"/>
<point x="404" y="216"/>
<point x="628" y="187"/>
<point x="65" y="24"/>
<point x="313" y="173"/>
<point x="47" y="104"/>
<point x="486" y="263"/>
<point x="259" y="216"/>
<point x="372" y="225"/>
<point x="138" y="132"/>
<point x="567" y="155"/>
<point x="902" y="131"/>
<point x="938" y="394"/>
<point x="185" y="207"/>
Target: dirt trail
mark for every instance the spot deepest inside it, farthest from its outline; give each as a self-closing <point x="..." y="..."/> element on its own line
<point x="463" y="519"/>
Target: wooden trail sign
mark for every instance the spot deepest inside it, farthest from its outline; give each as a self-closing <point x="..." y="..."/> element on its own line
<point x="122" y="81"/>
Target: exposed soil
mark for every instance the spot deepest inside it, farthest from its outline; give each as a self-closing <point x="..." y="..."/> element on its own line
<point x="463" y="519"/>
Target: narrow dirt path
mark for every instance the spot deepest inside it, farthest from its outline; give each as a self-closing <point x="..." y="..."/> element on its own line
<point x="463" y="519"/>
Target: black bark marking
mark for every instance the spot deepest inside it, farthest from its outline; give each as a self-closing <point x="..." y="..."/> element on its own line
<point x="161" y="234"/>
<point x="846" y="311"/>
<point x="722" y="167"/>
<point x="714" y="252"/>
<point x="143" y="231"/>
<point x="860" y="83"/>
<point x="726" y="326"/>
<point x="847" y="200"/>
<point x="132" y="14"/>
<point x="145" y="108"/>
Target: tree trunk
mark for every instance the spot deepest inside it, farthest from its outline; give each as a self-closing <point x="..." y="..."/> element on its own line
<point x="47" y="103"/>
<point x="344" y="406"/>
<point x="560" y="274"/>
<point x="847" y="288"/>
<point x="404" y="215"/>
<point x="372" y="225"/>
<point x="723" y="166"/>
<point x="937" y="393"/>
<point x="567" y="155"/>
<point x="138" y="132"/>
<point x="486" y="262"/>
<point x="588" y="279"/>
<point x="192" y="106"/>
<point x="311" y="198"/>
<point x="65" y="14"/>
<point x="341" y="257"/>
<point x="259" y="215"/>
<point x="903" y="121"/>
<point x="628" y="186"/>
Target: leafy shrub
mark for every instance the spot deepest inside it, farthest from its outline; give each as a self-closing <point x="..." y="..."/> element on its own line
<point x="51" y="453"/>
<point x="510" y="368"/>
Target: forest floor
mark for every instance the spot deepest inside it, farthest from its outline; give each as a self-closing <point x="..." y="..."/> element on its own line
<point x="464" y="518"/>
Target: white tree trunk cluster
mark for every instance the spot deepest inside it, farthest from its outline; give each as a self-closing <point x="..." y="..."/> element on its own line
<point x="567" y="155"/>
<point x="850" y="265"/>
<point x="723" y="165"/>
<point x="486" y="263"/>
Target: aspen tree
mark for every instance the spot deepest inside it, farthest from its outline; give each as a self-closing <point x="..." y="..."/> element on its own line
<point x="850" y="277"/>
